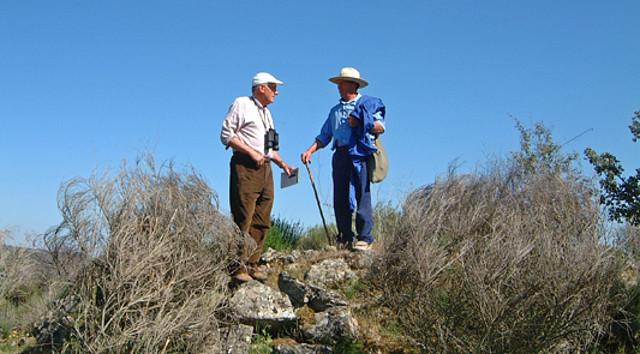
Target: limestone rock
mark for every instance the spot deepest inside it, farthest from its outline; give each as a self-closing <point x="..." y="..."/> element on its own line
<point x="259" y="305"/>
<point x="234" y="339"/>
<point x="336" y="325"/>
<point x="320" y="299"/>
<point x="302" y="349"/>
<point x="330" y="273"/>
<point x="297" y="290"/>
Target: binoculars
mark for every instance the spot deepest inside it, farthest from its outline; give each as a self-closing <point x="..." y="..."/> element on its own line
<point x="271" y="140"/>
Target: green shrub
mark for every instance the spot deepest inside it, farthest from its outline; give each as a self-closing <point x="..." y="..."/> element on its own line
<point x="283" y="235"/>
<point x="315" y="237"/>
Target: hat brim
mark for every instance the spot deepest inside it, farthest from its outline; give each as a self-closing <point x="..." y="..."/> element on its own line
<point x="361" y="83"/>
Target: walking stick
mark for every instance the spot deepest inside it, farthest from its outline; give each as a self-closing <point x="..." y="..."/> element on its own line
<point x="318" y="200"/>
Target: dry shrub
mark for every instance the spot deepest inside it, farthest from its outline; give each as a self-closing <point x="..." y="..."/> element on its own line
<point x="155" y="249"/>
<point x="499" y="261"/>
<point x="21" y="285"/>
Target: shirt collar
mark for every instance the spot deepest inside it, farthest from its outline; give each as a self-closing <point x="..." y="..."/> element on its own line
<point x="352" y="101"/>
<point x="260" y="106"/>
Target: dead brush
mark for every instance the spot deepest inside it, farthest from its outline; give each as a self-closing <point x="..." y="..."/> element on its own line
<point x="156" y="248"/>
<point x="21" y="285"/>
<point x="499" y="261"/>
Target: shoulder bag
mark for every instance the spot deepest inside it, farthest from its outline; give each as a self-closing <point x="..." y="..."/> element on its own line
<point x="378" y="164"/>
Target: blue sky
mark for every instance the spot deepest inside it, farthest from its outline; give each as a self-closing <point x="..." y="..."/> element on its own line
<point x="86" y="84"/>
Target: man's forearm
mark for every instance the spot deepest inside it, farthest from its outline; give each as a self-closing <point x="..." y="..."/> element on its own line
<point x="237" y="145"/>
<point x="377" y="128"/>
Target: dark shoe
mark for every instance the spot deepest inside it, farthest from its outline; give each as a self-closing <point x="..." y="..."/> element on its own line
<point x="257" y="275"/>
<point x="362" y="246"/>
<point x="345" y="246"/>
<point x="241" y="276"/>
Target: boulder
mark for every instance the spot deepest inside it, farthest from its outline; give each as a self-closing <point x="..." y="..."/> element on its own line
<point x="330" y="273"/>
<point x="234" y="339"/>
<point x="302" y="349"/>
<point x="320" y="299"/>
<point x="258" y="305"/>
<point x="316" y="297"/>
<point x="295" y="289"/>
<point x="334" y="326"/>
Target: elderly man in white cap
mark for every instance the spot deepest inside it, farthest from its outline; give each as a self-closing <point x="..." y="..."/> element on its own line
<point x="249" y="130"/>
<point x="352" y="142"/>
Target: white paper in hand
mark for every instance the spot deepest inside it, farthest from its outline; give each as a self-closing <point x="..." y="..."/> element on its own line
<point x="286" y="181"/>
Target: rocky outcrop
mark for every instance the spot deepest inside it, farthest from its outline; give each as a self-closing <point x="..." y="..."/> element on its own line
<point x="310" y="304"/>
<point x="330" y="273"/>
<point x="302" y="300"/>
<point x="258" y="305"/>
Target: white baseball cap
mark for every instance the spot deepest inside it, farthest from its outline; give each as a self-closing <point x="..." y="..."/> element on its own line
<point x="265" y="78"/>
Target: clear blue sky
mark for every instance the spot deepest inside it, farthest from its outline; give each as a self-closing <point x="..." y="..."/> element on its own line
<point x="86" y="84"/>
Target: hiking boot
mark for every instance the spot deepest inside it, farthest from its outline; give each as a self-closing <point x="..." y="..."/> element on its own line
<point x="345" y="246"/>
<point x="241" y="276"/>
<point x="257" y="275"/>
<point x="362" y="246"/>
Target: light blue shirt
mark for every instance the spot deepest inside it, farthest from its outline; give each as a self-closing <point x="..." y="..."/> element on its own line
<point x="337" y="125"/>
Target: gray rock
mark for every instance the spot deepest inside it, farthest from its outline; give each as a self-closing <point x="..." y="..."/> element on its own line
<point x="234" y="340"/>
<point x="256" y="304"/>
<point x="330" y="273"/>
<point x="336" y="325"/>
<point x="320" y="299"/>
<point x="297" y="290"/>
<point x="54" y="328"/>
<point x="272" y="255"/>
<point x="309" y="254"/>
<point x="269" y="256"/>
<point x="302" y="349"/>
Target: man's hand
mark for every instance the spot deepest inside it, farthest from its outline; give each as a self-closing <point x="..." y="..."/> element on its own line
<point x="289" y="170"/>
<point x="306" y="156"/>
<point x="257" y="157"/>
<point x="353" y="122"/>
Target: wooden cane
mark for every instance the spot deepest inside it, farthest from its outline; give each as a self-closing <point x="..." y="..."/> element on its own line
<point x="315" y="191"/>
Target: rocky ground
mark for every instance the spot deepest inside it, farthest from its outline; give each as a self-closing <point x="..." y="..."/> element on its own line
<point x="312" y="302"/>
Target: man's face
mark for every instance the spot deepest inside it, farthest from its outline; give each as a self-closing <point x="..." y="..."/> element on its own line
<point x="346" y="88"/>
<point x="270" y="91"/>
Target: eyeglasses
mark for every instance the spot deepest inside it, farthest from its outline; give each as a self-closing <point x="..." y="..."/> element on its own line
<point x="272" y="87"/>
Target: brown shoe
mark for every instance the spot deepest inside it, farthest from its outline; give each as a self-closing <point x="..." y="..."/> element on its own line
<point x="241" y="276"/>
<point x="257" y="275"/>
<point x="362" y="246"/>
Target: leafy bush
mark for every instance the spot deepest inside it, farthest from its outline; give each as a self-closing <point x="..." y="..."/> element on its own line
<point x="503" y="260"/>
<point x="283" y="235"/>
<point x="315" y="237"/>
<point x="154" y="248"/>
<point x="621" y="195"/>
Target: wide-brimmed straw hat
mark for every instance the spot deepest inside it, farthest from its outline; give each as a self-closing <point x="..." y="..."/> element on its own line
<point x="350" y="74"/>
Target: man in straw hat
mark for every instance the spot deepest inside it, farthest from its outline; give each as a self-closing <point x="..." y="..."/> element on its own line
<point x="352" y="145"/>
<point x="249" y="130"/>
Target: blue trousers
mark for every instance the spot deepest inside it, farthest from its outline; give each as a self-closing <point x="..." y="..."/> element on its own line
<point x="351" y="189"/>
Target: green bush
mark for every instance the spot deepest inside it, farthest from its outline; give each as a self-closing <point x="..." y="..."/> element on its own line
<point x="315" y="237"/>
<point x="620" y="194"/>
<point x="283" y="235"/>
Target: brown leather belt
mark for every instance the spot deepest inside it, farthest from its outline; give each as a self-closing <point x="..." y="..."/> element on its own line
<point x="248" y="158"/>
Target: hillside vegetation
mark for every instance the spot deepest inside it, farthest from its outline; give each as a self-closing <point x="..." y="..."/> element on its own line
<point x="516" y="256"/>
